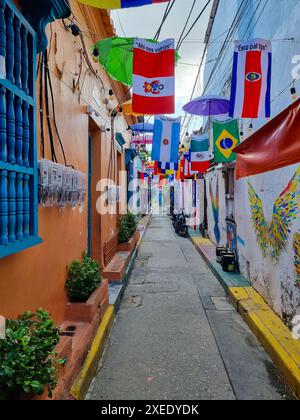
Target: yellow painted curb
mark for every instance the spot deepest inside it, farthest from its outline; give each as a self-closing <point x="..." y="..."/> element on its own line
<point x="273" y="334"/>
<point x="84" y="379"/>
<point x="201" y="241"/>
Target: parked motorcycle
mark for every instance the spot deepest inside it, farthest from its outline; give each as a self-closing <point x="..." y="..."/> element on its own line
<point x="180" y="224"/>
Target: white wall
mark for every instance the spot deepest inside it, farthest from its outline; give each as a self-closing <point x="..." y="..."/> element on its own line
<point x="280" y="20"/>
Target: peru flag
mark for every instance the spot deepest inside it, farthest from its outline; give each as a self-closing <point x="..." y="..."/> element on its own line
<point x="251" y="79"/>
<point x="153" y="77"/>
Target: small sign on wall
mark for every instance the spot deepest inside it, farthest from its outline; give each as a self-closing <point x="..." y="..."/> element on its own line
<point x="2" y="328"/>
<point x="2" y="67"/>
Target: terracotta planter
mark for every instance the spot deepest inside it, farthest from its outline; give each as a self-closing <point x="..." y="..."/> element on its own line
<point x="62" y="350"/>
<point x="130" y="245"/>
<point x="85" y="312"/>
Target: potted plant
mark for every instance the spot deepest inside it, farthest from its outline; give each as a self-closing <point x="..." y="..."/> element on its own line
<point x="128" y="233"/>
<point x="86" y="291"/>
<point x="27" y="357"/>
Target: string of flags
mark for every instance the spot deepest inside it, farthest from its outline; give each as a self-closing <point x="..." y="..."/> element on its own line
<point x="119" y="4"/>
<point x="149" y="67"/>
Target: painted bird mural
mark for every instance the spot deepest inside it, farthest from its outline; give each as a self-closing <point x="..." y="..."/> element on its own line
<point x="285" y="212"/>
<point x="215" y="202"/>
<point x="297" y="258"/>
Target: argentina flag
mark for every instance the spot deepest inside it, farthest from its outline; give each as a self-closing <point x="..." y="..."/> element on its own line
<point x="166" y="139"/>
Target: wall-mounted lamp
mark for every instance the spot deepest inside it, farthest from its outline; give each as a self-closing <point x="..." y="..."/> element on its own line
<point x="111" y="94"/>
<point x="96" y="55"/>
<point x="250" y="128"/>
<point x="294" y="93"/>
<point x="75" y="29"/>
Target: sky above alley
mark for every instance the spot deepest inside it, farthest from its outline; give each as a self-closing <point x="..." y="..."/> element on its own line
<point x="144" y="22"/>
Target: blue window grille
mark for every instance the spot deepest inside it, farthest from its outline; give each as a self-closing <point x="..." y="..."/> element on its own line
<point x="18" y="160"/>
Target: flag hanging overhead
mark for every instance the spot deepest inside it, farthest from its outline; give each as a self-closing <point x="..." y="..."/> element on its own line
<point x="119" y="4"/>
<point x="154" y="82"/>
<point x="251" y="79"/>
<point x="276" y="145"/>
<point x="186" y="171"/>
<point x="166" y="139"/>
<point x="163" y="168"/>
<point x="200" y="155"/>
<point x="167" y="167"/>
<point x="226" y="138"/>
<point x="199" y="143"/>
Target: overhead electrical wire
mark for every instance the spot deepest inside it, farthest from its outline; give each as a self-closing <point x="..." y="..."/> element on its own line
<point x="229" y="31"/>
<point x="230" y="34"/>
<point x="236" y="21"/>
<point x="183" y="38"/>
<point x="186" y="24"/>
<point x="227" y="69"/>
<point x="47" y="107"/>
<point x="168" y="10"/>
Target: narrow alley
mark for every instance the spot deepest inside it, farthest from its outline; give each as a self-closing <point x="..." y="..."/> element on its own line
<point x="177" y="337"/>
<point x="149" y="202"/>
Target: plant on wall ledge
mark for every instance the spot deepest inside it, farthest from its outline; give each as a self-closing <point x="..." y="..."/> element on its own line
<point x="27" y="367"/>
<point x="83" y="279"/>
<point x="128" y="225"/>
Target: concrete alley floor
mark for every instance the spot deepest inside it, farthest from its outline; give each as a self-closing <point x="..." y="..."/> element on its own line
<point x="177" y="337"/>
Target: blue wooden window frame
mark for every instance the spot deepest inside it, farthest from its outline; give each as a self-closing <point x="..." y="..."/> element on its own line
<point x="18" y="132"/>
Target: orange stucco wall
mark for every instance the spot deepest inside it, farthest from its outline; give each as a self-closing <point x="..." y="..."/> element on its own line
<point x="36" y="277"/>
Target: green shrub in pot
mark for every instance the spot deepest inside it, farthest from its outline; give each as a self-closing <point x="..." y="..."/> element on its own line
<point x="128" y="225"/>
<point x="124" y="233"/>
<point x="27" y="364"/>
<point x="83" y="279"/>
<point x="131" y="222"/>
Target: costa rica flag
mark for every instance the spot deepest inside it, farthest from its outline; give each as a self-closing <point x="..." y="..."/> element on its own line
<point x="251" y="79"/>
<point x="153" y="77"/>
<point x="119" y="4"/>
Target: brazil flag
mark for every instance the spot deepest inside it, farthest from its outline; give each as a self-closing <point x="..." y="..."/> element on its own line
<point x="226" y="138"/>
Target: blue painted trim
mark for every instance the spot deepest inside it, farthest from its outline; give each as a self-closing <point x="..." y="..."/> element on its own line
<point x="20" y="16"/>
<point x="19" y="246"/>
<point x="16" y="91"/>
<point x="33" y="186"/>
<point x="20" y="196"/>
<point x="16" y="168"/>
<point x="90" y="169"/>
<point x="41" y="13"/>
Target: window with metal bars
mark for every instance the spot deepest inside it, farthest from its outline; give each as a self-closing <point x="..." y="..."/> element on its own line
<point x="18" y="133"/>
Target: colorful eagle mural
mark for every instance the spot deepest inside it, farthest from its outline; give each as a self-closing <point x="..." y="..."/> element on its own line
<point x="297" y="258"/>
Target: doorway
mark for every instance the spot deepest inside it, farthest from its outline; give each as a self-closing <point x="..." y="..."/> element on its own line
<point x="94" y="176"/>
